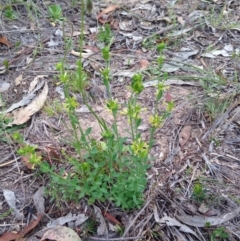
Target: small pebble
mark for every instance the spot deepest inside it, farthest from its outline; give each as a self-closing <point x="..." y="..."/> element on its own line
<point x="157" y="3"/>
<point x="92" y="23"/>
<point x="202" y="6"/>
<point x="93" y="17"/>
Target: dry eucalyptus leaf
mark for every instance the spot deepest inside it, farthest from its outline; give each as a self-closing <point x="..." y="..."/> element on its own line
<point x="170" y="82"/>
<point x="2" y="71"/>
<point x="26" y="99"/>
<point x="36" y="82"/>
<point x="80" y="218"/>
<point x="203" y="208"/>
<point x="24" y="114"/>
<point x="110" y="8"/>
<point x="61" y="233"/>
<point x="215" y="53"/>
<point x="39" y="200"/>
<point x="102" y="228"/>
<point x="4" y="86"/>
<point x="11" y="201"/>
<point x="8" y="236"/>
<point x="178" y="60"/>
<point x="184" y="135"/>
<point x="200" y="221"/>
<point x="125" y="73"/>
<point x="84" y="55"/>
<point x="180" y="32"/>
<point x="172" y="222"/>
<point x="18" y="80"/>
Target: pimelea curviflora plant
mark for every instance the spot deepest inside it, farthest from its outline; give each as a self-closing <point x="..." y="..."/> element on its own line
<point x="111" y="169"/>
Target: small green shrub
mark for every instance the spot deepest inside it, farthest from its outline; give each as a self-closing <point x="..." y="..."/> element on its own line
<point x="55" y="12"/>
<point x="111" y="169"/>
<point x="215" y="107"/>
<point x="5" y="130"/>
<point x="5" y="214"/>
<point x="219" y="234"/>
<point x="199" y="194"/>
<point x="105" y="34"/>
<point x="108" y="169"/>
<point x="53" y="108"/>
<point x="9" y="13"/>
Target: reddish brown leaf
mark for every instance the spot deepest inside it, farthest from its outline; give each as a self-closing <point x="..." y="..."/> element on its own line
<point x="105" y="11"/>
<point x="109" y="19"/>
<point x="8" y="236"/>
<point x="111" y="218"/>
<point x="162" y="40"/>
<point x="4" y="41"/>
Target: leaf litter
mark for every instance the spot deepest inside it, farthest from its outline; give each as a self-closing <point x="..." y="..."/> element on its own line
<point x="188" y="133"/>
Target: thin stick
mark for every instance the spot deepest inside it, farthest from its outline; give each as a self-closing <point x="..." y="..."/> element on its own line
<point x="115" y="239"/>
<point x="191" y="180"/>
<point x="135" y="219"/>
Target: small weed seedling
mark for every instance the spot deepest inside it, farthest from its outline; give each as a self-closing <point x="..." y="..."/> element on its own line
<point x="199" y="194"/>
<point x="90" y="226"/>
<point x="215" y="107"/>
<point x="6" y="64"/>
<point x="219" y="234"/>
<point x="55" y="12"/>
<point x="9" y="13"/>
<point x="6" y="131"/>
<point x="4" y="215"/>
<point x="215" y="141"/>
<point x="89" y="5"/>
<point x="149" y="43"/>
<point x="105" y="34"/>
<point x="53" y="108"/>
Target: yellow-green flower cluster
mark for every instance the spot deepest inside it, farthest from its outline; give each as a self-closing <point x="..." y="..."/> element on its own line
<point x="35" y="159"/>
<point x="107" y="134"/>
<point x="106" y="53"/>
<point x="137" y="85"/>
<point x="71" y="103"/>
<point x="156" y="121"/>
<point x="132" y="111"/>
<point x="160" y="90"/>
<point x="64" y="77"/>
<point x="161" y="47"/>
<point x="140" y="148"/>
<point x="169" y="106"/>
<point x="101" y="146"/>
<point x="112" y="105"/>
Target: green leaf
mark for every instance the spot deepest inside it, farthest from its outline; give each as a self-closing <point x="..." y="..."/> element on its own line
<point x="88" y="131"/>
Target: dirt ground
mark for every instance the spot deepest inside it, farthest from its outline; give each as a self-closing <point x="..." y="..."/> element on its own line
<point x="199" y="142"/>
